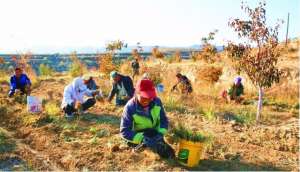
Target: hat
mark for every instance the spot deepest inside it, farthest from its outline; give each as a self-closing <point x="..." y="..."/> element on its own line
<point x="237" y="80"/>
<point x="145" y="88"/>
<point x="86" y="77"/>
<point x="113" y="74"/>
<point x="178" y="75"/>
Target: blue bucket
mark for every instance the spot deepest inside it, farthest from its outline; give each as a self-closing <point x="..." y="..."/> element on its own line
<point x="160" y="88"/>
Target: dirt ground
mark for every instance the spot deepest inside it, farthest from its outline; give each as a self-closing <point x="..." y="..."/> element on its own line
<point x="92" y="142"/>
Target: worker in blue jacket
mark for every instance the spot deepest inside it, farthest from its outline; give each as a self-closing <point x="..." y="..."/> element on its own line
<point x="19" y="81"/>
<point x="122" y="87"/>
<point x="144" y="121"/>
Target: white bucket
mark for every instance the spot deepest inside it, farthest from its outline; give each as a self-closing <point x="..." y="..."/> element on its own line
<point x="34" y="104"/>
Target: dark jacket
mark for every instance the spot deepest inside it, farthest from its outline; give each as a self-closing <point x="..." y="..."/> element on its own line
<point x="134" y="120"/>
<point x="127" y="82"/>
<point x="235" y="90"/>
<point x="92" y="85"/>
<point x="186" y="83"/>
<point x="19" y="83"/>
<point x="135" y="65"/>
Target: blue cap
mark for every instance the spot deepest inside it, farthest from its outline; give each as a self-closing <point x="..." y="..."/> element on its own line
<point x="113" y="74"/>
<point x="237" y="80"/>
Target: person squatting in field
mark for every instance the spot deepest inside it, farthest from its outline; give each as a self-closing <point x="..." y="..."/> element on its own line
<point x="73" y="98"/>
<point x="122" y="87"/>
<point x="183" y="84"/>
<point x="144" y="122"/>
<point x="19" y="81"/>
<point x="235" y="92"/>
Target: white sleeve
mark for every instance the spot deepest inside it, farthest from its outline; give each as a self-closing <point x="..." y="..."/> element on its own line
<point x="68" y="97"/>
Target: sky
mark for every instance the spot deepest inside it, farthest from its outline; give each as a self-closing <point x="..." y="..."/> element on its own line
<point x="45" y="26"/>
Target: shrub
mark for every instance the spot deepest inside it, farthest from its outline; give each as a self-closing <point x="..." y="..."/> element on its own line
<point x="45" y="70"/>
<point x="77" y="68"/>
<point x="208" y="50"/>
<point x="52" y="109"/>
<point x="156" y="53"/>
<point x="210" y="74"/>
<point x="106" y="63"/>
<point x="155" y="73"/>
<point x="125" y="67"/>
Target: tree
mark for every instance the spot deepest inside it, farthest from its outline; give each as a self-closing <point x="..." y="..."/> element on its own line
<point x="106" y="60"/>
<point x="115" y="45"/>
<point x="156" y="53"/>
<point x="208" y="50"/>
<point x="77" y="68"/>
<point x="258" y="55"/>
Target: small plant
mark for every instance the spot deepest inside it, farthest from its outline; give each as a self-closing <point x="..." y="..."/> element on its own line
<point x="245" y="116"/>
<point x="209" y="114"/>
<point x="28" y="119"/>
<point x="154" y="73"/>
<point x="93" y="130"/>
<point x="52" y="109"/>
<point x="72" y="127"/>
<point x="171" y="105"/>
<point x="208" y="51"/>
<point x="3" y="110"/>
<point x="45" y="70"/>
<point x="6" y="145"/>
<point x="181" y="132"/>
<point x="156" y="53"/>
<point x="77" y="68"/>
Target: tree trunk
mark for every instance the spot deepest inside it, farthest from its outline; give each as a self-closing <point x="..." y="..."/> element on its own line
<point x="259" y="103"/>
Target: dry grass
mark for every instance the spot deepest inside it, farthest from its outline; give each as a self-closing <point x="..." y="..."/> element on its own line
<point x="237" y="140"/>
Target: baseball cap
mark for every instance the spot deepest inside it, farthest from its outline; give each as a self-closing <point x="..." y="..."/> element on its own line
<point x="145" y="88"/>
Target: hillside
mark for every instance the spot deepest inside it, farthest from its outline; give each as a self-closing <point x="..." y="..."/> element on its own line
<point x="46" y="141"/>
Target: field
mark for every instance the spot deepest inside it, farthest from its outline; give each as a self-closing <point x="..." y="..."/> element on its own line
<point x="46" y="141"/>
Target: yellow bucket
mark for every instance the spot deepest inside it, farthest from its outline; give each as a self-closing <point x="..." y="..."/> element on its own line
<point x="190" y="153"/>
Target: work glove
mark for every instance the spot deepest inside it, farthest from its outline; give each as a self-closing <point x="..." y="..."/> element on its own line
<point x="158" y="145"/>
<point x="164" y="150"/>
<point x="151" y="142"/>
<point x="150" y="132"/>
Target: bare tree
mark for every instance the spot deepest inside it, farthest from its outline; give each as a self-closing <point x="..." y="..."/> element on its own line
<point x="258" y="55"/>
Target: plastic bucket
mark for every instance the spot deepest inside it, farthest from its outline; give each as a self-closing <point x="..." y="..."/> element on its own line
<point x="160" y="88"/>
<point x="190" y="153"/>
<point x="34" y="104"/>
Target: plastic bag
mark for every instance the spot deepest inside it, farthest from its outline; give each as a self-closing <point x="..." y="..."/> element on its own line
<point x="34" y="104"/>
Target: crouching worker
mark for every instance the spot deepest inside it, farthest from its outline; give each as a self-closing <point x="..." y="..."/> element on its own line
<point x="235" y="92"/>
<point x="73" y="98"/>
<point x="183" y="83"/>
<point x="122" y="87"/>
<point x="144" y="122"/>
<point x="90" y="82"/>
<point x="19" y="81"/>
